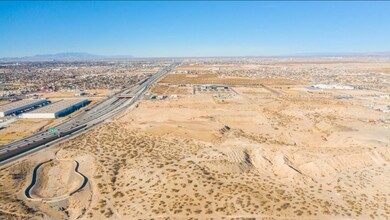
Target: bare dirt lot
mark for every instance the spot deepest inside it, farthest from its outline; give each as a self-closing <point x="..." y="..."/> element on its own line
<point x="265" y="152"/>
<point x="214" y="79"/>
<point x="169" y="90"/>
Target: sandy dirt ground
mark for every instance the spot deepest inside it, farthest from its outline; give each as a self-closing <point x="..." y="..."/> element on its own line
<point x="22" y="128"/>
<point x="215" y="79"/>
<point x="169" y="90"/>
<point x="265" y="152"/>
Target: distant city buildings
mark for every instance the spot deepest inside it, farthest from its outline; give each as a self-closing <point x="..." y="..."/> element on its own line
<point x="47" y="77"/>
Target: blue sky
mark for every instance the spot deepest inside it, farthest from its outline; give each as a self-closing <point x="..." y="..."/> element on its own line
<point x="160" y="29"/>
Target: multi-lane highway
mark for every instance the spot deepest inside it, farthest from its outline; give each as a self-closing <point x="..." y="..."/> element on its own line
<point x="83" y="121"/>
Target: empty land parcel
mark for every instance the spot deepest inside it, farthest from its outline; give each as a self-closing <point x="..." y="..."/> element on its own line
<point x="272" y="151"/>
<point x="214" y="79"/>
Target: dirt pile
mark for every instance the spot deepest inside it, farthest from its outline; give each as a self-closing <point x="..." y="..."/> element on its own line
<point x="56" y="179"/>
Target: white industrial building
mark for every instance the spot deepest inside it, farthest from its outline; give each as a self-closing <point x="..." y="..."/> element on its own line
<point x="323" y="86"/>
<point x="57" y="109"/>
<point x="19" y="106"/>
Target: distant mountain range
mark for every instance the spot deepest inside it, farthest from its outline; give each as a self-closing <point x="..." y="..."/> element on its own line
<point x="73" y="56"/>
<point x="63" y="56"/>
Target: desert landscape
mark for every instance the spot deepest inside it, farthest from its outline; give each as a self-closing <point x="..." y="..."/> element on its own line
<point x="225" y="139"/>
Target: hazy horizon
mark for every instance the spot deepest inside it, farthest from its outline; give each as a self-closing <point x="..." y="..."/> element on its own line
<point x="91" y="55"/>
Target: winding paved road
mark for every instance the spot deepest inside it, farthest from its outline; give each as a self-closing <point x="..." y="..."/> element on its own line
<point x="57" y="198"/>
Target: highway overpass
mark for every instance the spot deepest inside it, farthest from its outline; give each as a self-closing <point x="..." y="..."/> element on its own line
<point x="83" y="121"/>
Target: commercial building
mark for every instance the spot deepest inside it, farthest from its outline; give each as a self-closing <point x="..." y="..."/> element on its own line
<point x="57" y="109"/>
<point x="20" y="106"/>
<point x="323" y="86"/>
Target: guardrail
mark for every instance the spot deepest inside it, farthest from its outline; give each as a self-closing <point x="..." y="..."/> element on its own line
<point x="26" y="147"/>
<point x="146" y="83"/>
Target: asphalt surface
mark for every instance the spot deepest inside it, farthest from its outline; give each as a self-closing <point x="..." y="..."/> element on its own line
<point x="83" y="121"/>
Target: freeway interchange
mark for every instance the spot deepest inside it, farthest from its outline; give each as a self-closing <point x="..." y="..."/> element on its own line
<point x="83" y="121"/>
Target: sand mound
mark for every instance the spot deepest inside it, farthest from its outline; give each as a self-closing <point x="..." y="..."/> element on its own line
<point x="326" y="165"/>
<point x="266" y="153"/>
<point x="284" y="162"/>
<point x="232" y="155"/>
<point x="231" y="159"/>
<point x="260" y="160"/>
<point x="56" y="178"/>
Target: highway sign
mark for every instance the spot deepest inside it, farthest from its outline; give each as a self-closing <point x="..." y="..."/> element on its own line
<point x="52" y="130"/>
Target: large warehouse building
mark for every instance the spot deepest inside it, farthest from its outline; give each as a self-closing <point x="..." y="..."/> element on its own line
<point x="57" y="109"/>
<point x="19" y="106"/>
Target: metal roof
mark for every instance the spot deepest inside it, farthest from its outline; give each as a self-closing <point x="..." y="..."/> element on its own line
<point x="18" y="104"/>
<point x="58" y="106"/>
